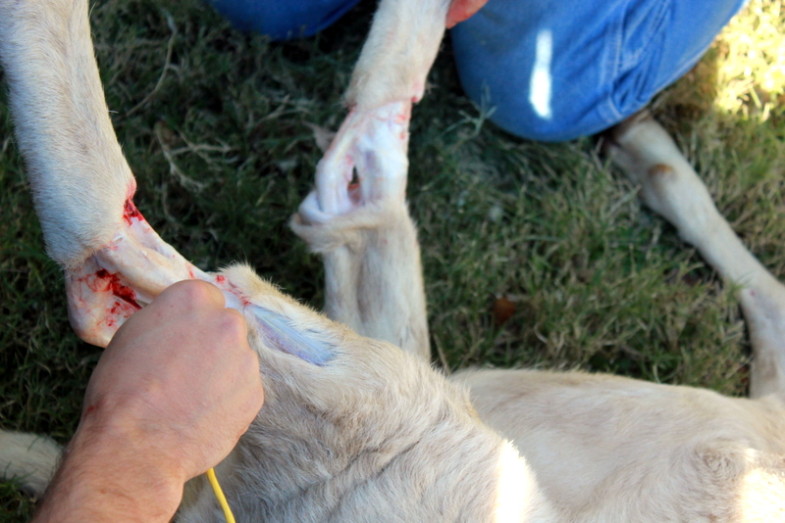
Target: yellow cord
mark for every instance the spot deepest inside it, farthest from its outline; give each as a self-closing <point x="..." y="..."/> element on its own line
<point x="219" y="495"/>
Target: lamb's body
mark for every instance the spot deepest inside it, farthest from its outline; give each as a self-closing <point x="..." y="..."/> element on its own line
<point x="358" y="429"/>
<point x="345" y="442"/>
<point x="605" y="448"/>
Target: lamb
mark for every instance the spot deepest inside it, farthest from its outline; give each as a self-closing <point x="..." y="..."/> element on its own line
<point x="356" y="423"/>
<point x="83" y="189"/>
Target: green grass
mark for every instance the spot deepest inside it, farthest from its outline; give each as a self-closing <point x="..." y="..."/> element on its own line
<point x="218" y="136"/>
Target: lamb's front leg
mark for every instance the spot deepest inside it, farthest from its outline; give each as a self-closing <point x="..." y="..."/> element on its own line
<point x="398" y="53"/>
<point x="369" y="243"/>
<point x="400" y="50"/>
<point x="389" y="77"/>
<point x="82" y="185"/>
<point x="371" y="256"/>
<point x="670" y="186"/>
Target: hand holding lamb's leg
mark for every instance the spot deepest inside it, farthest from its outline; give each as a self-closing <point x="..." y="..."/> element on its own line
<point x="122" y="277"/>
<point x="83" y="187"/>
<point x="670" y="186"/>
<point x="364" y="232"/>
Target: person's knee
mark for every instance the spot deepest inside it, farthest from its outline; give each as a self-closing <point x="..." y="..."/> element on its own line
<point x="528" y="82"/>
<point x="525" y="123"/>
<point x="282" y="20"/>
<point x="554" y="71"/>
<point x="536" y="115"/>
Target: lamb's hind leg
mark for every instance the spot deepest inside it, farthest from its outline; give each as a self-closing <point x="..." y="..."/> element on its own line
<point x="670" y="186"/>
<point x="82" y="185"/>
<point x="368" y="241"/>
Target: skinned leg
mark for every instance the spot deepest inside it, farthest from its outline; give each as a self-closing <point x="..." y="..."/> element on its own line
<point x="392" y="69"/>
<point x="82" y="185"/>
<point x="554" y="71"/>
<point x="373" y="276"/>
<point x="670" y="186"/>
<point x="114" y="261"/>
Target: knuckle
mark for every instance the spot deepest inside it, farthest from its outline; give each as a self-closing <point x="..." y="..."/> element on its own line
<point x="232" y="324"/>
<point x="252" y="361"/>
<point x="197" y="294"/>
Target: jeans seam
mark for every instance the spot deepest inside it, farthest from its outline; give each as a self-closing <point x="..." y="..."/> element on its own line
<point x="610" y="111"/>
<point x="653" y="28"/>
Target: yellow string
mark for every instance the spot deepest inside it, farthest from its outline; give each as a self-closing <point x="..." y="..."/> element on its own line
<point x="219" y="495"/>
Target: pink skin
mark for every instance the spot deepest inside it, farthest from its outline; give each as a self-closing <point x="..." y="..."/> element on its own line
<point x="125" y="275"/>
<point x="137" y="265"/>
<point x="371" y="144"/>
<point x="365" y="137"/>
<point x="461" y="10"/>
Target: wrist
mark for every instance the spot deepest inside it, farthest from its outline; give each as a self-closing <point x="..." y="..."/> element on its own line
<point x="112" y="471"/>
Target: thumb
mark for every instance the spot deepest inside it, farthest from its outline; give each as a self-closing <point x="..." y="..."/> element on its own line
<point x="461" y="10"/>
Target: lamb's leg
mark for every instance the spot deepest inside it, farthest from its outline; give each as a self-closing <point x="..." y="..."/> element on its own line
<point x="369" y="243"/>
<point x="82" y="185"/>
<point x="670" y="186"/>
<point x="115" y="263"/>
<point x="398" y="53"/>
<point x="400" y="49"/>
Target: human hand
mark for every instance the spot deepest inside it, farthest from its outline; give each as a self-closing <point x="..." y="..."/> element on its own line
<point x="461" y="10"/>
<point x="170" y="397"/>
<point x="180" y="375"/>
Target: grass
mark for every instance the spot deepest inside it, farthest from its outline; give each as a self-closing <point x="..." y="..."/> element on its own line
<point x="215" y="125"/>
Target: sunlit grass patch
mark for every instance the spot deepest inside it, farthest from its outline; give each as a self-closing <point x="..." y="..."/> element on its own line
<point x="743" y="74"/>
<point x="751" y="62"/>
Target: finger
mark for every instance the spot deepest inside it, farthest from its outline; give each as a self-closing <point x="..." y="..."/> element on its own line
<point x="461" y="10"/>
<point x="191" y="294"/>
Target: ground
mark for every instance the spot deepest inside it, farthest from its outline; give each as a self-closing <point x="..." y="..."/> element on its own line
<point x="535" y="255"/>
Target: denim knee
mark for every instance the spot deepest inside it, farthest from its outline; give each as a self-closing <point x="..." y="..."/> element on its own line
<point x="554" y="70"/>
<point x="282" y="19"/>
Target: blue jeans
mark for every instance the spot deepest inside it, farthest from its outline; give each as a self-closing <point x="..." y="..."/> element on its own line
<point x="548" y="70"/>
